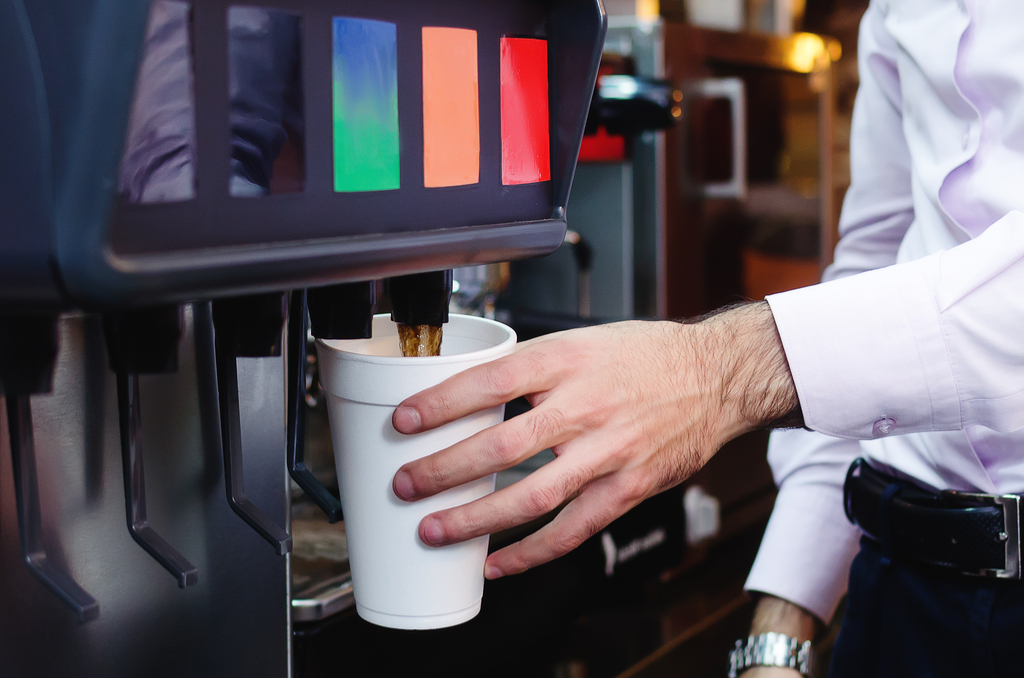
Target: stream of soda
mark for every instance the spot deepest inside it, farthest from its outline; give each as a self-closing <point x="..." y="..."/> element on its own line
<point x="420" y="340"/>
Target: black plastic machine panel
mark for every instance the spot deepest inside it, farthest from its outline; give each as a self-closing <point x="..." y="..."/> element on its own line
<point x="143" y="141"/>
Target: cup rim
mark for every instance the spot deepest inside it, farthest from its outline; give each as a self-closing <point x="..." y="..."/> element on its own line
<point x="497" y="350"/>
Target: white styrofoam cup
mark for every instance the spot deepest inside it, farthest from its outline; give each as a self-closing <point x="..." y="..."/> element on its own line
<point x="399" y="581"/>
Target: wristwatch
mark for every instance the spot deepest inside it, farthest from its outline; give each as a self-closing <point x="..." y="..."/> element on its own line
<point x="770" y="649"/>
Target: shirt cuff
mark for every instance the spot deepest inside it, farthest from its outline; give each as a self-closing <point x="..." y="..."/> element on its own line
<point x="807" y="550"/>
<point x="867" y="353"/>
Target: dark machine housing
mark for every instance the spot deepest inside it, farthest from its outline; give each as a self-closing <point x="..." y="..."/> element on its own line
<point x="68" y="74"/>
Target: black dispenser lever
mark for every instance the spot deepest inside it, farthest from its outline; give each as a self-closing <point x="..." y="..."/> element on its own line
<point x="28" y="351"/>
<point x="336" y="312"/>
<point x="245" y="327"/>
<point x="297" y="412"/>
<point x="143" y="342"/>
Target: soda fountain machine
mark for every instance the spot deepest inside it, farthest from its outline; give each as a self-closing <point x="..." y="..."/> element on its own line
<point x="179" y="183"/>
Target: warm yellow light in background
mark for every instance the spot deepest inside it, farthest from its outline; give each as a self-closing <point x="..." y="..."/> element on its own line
<point x="807" y="49"/>
<point x="648" y="9"/>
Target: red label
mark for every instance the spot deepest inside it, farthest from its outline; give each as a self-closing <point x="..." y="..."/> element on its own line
<point x="525" y="120"/>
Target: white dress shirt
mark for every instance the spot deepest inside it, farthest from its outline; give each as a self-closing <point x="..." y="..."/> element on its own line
<point x="911" y="352"/>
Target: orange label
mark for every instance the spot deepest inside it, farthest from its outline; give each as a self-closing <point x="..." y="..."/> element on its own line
<point x="451" y="107"/>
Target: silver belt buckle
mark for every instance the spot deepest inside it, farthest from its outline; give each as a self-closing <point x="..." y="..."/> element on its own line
<point x="1010" y="536"/>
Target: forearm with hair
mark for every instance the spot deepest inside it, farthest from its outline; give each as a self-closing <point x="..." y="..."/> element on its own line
<point x="756" y="381"/>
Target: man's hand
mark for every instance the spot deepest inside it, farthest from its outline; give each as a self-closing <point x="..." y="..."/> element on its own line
<point x="629" y="409"/>
<point x="775" y="615"/>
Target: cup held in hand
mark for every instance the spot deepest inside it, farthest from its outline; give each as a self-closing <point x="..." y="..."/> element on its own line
<point x="399" y="581"/>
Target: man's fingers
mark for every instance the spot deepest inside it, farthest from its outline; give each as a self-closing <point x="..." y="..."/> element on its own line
<point x="478" y="388"/>
<point x="538" y="494"/>
<point x="492" y="450"/>
<point x="599" y="504"/>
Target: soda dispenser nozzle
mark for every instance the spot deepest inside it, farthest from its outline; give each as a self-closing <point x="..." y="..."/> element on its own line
<point x="144" y="341"/>
<point x="420" y="309"/>
<point x="28" y="351"/>
<point x="421" y="299"/>
<point x="342" y="311"/>
<point x="250" y="327"/>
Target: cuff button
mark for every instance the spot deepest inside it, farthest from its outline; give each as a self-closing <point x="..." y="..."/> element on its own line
<point x="883" y="427"/>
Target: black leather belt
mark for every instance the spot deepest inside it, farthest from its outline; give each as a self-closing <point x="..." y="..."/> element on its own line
<point x="974" y="534"/>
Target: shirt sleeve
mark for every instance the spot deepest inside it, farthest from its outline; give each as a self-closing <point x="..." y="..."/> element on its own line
<point x="807" y="549"/>
<point x="929" y="345"/>
<point x="935" y="344"/>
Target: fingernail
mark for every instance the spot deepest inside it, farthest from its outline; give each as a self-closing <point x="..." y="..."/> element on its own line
<point x="403" y="486"/>
<point x="433" y="533"/>
<point x="407" y="420"/>
<point x="491" y="572"/>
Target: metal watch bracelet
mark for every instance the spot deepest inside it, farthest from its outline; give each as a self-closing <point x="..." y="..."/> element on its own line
<point x="770" y="649"/>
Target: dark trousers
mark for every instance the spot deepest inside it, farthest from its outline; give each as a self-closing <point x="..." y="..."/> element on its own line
<point x="905" y="619"/>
